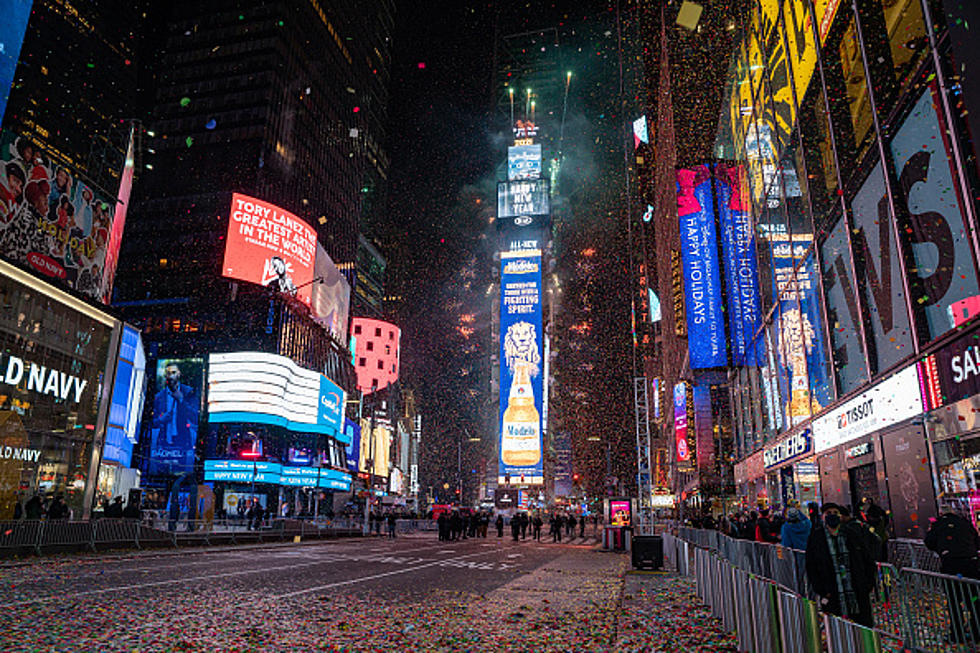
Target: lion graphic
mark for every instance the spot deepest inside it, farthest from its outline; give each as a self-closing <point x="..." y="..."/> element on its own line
<point x="521" y="346"/>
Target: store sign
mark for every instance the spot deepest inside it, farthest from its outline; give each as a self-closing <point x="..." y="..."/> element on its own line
<point x="798" y="444"/>
<point x="893" y="400"/>
<point x="859" y="450"/>
<point x="261" y="388"/>
<point x="40" y="379"/>
<point x="20" y="453"/>
<point x="702" y="284"/>
<point x="953" y="372"/>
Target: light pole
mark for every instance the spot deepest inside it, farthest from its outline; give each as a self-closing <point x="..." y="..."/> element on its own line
<point x="370" y="459"/>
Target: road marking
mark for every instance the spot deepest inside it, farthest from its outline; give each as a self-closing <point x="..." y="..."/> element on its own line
<point x="257" y="570"/>
<point x="515" y="555"/>
<point x="376" y="576"/>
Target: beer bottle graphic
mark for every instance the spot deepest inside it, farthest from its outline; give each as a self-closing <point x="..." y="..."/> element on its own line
<point x="520" y="442"/>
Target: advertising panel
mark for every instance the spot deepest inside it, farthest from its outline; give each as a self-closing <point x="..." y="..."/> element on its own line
<point x="702" y="284"/>
<point x="789" y="448"/>
<point x="953" y="372"/>
<point x="261" y="388"/>
<point x="523" y="198"/>
<point x="269" y="246"/>
<point x="842" y="310"/>
<point x="890" y="401"/>
<point x="176" y="411"/>
<point x="523" y="162"/>
<point x="910" y="488"/>
<point x="800" y="328"/>
<point x="563" y="463"/>
<point x="14" y="15"/>
<point x="50" y="221"/>
<point x="703" y="427"/>
<point x="944" y="271"/>
<point x="375" y="445"/>
<point x="620" y="512"/>
<point x="521" y="382"/>
<point x="741" y="265"/>
<point x="879" y="274"/>
<point x="680" y="423"/>
<point x="257" y="471"/>
<point x="126" y="408"/>
<point x="119" y="223"/>
<point x="331" y="296"/>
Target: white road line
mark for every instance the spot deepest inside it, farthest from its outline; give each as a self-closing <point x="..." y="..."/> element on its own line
<point x="65" y="596"/>
<point x="352" y="581"/>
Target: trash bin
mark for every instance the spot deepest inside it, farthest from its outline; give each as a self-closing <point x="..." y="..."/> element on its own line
<point x="648" y="550"/>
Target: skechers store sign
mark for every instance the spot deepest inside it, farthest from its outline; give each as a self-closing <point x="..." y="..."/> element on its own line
<point x="895" y="399"/>
<point x="40" y="379"/>
<point x="245" y="471"/>
<point x="795" y="445"/>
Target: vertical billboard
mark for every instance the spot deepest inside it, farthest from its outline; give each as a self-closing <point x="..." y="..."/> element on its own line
<point x="702" y="283"/>
<point x="929" y="199"/>
<point x="521" y="381"/>
<point x="176" y="411"/>
<point x="126" y="407"/>
<point x="847" y="350"/>
<point x="331" y="296"/>
<point x="269" y="246"/>
<point x="14" y="15"/>
<point x="741" y="265"/>
<point x="119" y="223"/>
<point x="50" y="221"/>
<point x="523" y="162"/>
<point x="680" y="424"/>
<point x="704" y="431"/>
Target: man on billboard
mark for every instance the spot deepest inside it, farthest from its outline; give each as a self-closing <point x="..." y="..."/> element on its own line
<point x="281" y="282"/>
<point x="175" y="413"/>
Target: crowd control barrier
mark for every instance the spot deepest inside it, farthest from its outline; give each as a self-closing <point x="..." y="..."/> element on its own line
<point x="759" y="593"/>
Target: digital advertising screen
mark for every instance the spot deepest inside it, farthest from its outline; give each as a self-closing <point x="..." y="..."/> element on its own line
<point x="352" y="431"/>
<point x="680" y="422"/>
<point x="260" y="388"/>
<point x="702" y="282"/>
<point x="620" y="512"/>
<point x="176" y="413"/>
<point x="331" y="296"/>
<point x="523" y="162"/>
<point x="521" y="366"/>
<point x="14" y="15"/>
<point x="523" y="198"/>
<point x="269" y="246"/>
<point x="128" y="395"/>
<point x="50" y="220"/>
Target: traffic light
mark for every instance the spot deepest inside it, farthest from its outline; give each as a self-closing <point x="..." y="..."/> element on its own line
<point x="575" y="478"/>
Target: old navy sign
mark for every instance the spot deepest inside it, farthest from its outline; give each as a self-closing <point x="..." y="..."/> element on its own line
<point x="798" y="444"/>
<point x="40" y="379"/>
<point x="702" y="280"/>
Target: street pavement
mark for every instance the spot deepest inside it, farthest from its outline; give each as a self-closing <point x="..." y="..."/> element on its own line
<point x="373" y="594"/>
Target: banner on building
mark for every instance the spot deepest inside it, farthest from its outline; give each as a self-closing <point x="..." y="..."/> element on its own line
<point x="176" y="412"/>
<point x="521" y="365"/>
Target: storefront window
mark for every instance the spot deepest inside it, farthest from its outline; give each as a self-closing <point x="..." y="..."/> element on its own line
<point x="895" y="39"/>
<point x="958" y="465"/>
<point x="843" y="318"/>
<point x="52" y="361"/>
<point x="878" y="263"/>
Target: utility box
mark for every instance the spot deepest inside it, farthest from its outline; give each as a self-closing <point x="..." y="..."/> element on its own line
<point x="648" y="551"/>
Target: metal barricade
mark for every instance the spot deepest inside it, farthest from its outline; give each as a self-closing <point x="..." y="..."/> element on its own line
<point x="61" y="533"/>
<point x="911" y="553"/>
<point x="114" y="532"/>
<point x="20" y="536"/>
<point x="845" y="636"/>
<point x="943" y="611"/>
<point x="799" y="623"/>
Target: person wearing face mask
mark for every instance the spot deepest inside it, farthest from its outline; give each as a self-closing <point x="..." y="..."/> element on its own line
<point x="841" y="567"/>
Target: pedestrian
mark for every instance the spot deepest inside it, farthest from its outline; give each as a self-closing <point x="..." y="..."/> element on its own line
<point x="115" y="509"/>
<point x="956" y="542"/>
<point x="795" y="531"/>
<point x="569" y="525"/>
<point x="595" y="523"/>
<point x="841" y="568"/>
<point x="581" y="526"/>
<point x="18" y="509"/>
<point x="455" y="523"/>
<point x="391" y="524"/>
<point x="378" y="518"/>
<point x="515" y="527"/>
<point x="33" y="509"/>
<point x="708" y="522"/>
<point x="57" y="509"/>
<point x="132" y="510"/>
<point x="559" y="525"/>
<point x="537" y="524"/>
<point x="876" y="518"/>
<point x="443" y="523"/>
<point x="763" y="527"/>
<point x="500" y="525"/>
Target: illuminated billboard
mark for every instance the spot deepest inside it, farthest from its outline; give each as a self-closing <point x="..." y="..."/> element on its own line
<point x="680" y="422"/>
<point x="699" y="254"/>
<point x="14" y="15"/>
<point x="523" y="162"/>
<point x="50" y="221"/>
<point x="269" y="246"/>
<point x="260" y="388"/>
<point x="523" y="198"/>
<point x="176" y="412"/>
<point x="331" y="296"/>
<point x="126" y="407"/>
<point x="521" y="381"/>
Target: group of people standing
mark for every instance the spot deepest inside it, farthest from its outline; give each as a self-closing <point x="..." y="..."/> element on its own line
<point x="459" y="525"/>
<point x="37" y="507"/>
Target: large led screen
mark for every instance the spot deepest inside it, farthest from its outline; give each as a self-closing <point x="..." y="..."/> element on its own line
<point x="269" y="246"/>
<point x="521" y="356"/>
<point x="260" y="388"/>
<point x="523" y="198"/>
<point x="702" y="283"/>
<point x="14" y="15"/>
<point x="51" y="221"/>
<point x="523" y="162"/>
<point x="176" y="412"/>
<point x="331" y="296"/>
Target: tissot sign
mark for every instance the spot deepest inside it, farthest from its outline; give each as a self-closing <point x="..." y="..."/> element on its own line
<point x="895" y="399"/>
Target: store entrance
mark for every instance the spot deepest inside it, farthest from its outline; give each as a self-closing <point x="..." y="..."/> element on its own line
<point x="864" y="485"/>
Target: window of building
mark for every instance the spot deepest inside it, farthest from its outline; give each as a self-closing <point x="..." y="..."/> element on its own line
<point x="381" y="365"/>
<point x="357" y="329"/>
<point x="391" y="335"/>
<point x="377" y="332"/>
<point x="370" y="346"/>
<point x="361" y="362"/>
<point x="895" y="39"/>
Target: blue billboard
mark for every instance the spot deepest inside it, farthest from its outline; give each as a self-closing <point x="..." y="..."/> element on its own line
<point x="523" y="162"/>
<point x="126" y="407"/>
<point x="702" y="280"/>
<point x="14" y="15"/>
<point x="741" y="264"/>
<point x="260" y="471"/>
<point x="352" y="432"/>
<point x="521" y="378"/>
<point x="176" y="411"/>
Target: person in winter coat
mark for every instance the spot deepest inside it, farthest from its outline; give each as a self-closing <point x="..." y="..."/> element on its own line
<point x="841" y="567"/>
<point x="956" y="541"/>
<point x="500" y="525"/>
<point x="796" y="530"/>
<point x="763" y="527"/>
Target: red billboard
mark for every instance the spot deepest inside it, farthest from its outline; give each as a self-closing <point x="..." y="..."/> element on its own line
<point x="269" y="246"/>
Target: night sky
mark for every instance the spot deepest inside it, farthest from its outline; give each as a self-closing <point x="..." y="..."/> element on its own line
<point x="444" y="149"/>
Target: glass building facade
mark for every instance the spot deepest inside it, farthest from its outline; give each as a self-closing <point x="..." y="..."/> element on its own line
<point x="858" y="172"/>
